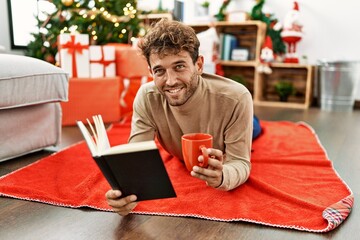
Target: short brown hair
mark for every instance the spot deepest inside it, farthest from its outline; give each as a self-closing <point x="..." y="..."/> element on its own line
<point x="170" y="37"/>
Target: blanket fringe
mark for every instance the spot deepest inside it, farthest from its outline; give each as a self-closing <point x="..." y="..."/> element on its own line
<point x="338" y="212"/>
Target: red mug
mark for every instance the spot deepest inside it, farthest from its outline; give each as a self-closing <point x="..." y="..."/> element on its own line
<point x="194" y="145"/>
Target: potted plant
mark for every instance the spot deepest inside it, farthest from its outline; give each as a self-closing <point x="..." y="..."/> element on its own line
<point x="205" y="4"/>
<point x="239" y="79"/>
<point x="205" y="8"/>
<point x="284" y="89"/>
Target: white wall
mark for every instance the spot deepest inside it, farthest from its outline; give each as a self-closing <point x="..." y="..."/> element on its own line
<point x="330" y="26"/>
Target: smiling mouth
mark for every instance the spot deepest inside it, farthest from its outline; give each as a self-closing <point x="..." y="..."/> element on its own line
<point x="176" y="90"/>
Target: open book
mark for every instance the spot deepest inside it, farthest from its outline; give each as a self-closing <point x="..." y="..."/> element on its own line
<point x="132" y="168"/>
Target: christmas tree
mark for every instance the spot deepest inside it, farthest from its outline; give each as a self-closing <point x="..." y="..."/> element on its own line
<point x="106" y="21"/>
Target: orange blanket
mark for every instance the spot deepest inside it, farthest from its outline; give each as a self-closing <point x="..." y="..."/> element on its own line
<point x="292" y="184"/>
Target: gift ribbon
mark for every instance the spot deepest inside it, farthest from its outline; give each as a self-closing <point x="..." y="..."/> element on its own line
<point x="126" y="82"/>
<point x="102" y="61"/>
<point x="74" y="47"/>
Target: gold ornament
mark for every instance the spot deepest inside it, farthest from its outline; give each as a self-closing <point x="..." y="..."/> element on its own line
<point x="67" y="3"/>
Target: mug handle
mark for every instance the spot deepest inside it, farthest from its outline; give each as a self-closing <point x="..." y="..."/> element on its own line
<point x="203" y="149"/>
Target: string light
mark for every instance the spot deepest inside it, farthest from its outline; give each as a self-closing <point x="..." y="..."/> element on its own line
<point x="129" y="13"/>
<point x="64" y="30"/>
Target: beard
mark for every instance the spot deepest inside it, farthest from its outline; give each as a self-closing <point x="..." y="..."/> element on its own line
<point x="185" y="92"/>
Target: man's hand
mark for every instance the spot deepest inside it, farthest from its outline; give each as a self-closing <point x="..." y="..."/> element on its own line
<point x="122" y="206"/>
<point x="213" y="174"/>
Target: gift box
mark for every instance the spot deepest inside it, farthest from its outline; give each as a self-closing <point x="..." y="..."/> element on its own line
<point x="129" y="61"/>
<point x="91" y="96"/>
<point x="128" y="90"/>
<point x="102" y="61"/>
<point x="74" y="54"/>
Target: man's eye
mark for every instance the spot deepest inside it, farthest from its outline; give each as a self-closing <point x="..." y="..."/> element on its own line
<point x="179" y="67"/>
<point x="159" y="72"/>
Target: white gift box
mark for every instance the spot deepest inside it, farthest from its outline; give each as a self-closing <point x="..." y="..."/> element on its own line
<point x="102" y="61"/>
<point x="74" y="54"/>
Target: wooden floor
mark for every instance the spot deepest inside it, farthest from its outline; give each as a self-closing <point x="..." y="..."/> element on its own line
<point x="338" y="132"/>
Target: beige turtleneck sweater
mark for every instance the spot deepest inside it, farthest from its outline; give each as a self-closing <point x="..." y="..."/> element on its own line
<point x="219" y="106"/>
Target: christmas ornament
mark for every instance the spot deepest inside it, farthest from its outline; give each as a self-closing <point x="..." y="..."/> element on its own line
<point x="220" y="16"/>
<point x="49" y="58"/>
<point x="257" y="13"/>
<point x="67" y="3"/>
<point x="266" y="56"/>
<point x="292" y="33"/>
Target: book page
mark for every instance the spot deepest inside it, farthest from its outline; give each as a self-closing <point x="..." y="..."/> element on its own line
<point x="103" y="140"/>
<point x="131" y="147"/>
<point x="88" y="138"/>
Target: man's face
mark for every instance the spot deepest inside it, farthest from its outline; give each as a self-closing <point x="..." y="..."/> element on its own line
<point x="176" y="76"/>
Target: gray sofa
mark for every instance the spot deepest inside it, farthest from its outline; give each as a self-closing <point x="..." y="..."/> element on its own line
<point x="30" y="112"/>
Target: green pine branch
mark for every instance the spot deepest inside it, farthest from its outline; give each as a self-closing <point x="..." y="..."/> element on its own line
<point x="44" y="45"/>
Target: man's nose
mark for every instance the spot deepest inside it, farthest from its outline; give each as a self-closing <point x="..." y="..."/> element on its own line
<point x="170" y="78"/>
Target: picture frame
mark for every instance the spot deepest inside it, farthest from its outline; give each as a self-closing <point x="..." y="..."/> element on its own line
<point x="22" y="22"/>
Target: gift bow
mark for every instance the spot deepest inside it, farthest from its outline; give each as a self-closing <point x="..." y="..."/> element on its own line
<point x="103" y="61"/>
<point x="74" y="47"/>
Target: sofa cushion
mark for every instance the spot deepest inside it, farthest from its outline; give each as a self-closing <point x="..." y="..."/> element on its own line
<point x="27" y="81"/>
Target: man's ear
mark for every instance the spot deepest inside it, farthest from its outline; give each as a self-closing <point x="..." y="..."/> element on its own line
<point x="200" y="64"/>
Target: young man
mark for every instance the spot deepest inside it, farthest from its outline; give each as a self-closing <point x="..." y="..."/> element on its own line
<point x="182" y="99"/>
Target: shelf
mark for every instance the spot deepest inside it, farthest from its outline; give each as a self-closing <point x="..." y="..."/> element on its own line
<point x="299" y="75"/>
<point x="246" y="72"/>
<point x="281" y="104"/>
<point x="250" y="35"/>
<point x="226" y="24"/>
<point x="290" y="65"/>
<point x="239" y="63"/>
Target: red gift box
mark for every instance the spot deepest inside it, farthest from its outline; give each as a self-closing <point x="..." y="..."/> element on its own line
<point x="92" y="96"/>
<point x="129" y="61"/>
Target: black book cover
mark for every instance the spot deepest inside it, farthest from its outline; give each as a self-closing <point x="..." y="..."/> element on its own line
<point x="141" y="173"/>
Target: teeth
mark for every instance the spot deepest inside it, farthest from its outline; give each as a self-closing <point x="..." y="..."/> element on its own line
<point x="174" y="90"/>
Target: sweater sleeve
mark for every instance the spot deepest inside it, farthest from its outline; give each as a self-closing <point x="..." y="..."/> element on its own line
<point x="238" y="140"/>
